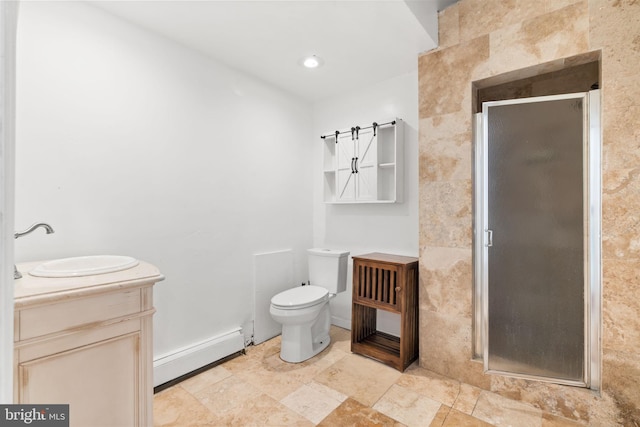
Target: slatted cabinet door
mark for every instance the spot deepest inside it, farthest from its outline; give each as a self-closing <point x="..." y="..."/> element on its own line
<point x="376" y="284"/>
<point x="386" y="282"/>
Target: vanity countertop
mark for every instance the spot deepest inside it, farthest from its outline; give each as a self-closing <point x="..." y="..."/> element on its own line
<point x="30" y="290"/>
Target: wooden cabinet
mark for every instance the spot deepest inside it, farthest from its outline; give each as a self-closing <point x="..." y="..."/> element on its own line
<point x="88" y="346"/>
<point x="364" y="165"/>
<point x="385" y="282"/>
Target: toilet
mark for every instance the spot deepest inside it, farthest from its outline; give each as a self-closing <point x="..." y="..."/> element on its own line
<point x="304" y="310"/>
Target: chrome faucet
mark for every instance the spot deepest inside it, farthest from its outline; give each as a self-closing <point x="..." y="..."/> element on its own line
<point x="48" y="229"/>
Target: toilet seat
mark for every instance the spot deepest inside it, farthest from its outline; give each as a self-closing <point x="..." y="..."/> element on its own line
<point x="300" y="297"/>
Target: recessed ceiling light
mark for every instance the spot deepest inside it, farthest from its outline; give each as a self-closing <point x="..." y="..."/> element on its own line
<point x="312" y="61"/>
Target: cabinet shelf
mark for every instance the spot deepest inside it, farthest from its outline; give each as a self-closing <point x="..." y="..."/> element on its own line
<point x="367" y="168"/>
<point x="383" y="342"/>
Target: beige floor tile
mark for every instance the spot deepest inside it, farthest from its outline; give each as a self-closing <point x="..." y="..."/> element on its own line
<point x="226" y="395"/>
<point x="271" y="382"/>
<point x="246" y="391"/>
<point x="458" y="419"/>
<point x="429" y="384"/>
<point x="253" y="356"/>
<point x="205" y="379"/>
<point x="340" y="397"/>
<point x="549" y="420"/>
<point x="311" y="403"/>
<point x="261" y="412"/>
<point x="341" y="339"/>
<point x="358" y="377"/>
<point x="175" y="407"/>
<point x="306" y="370"/>
<point x="353" y="413"/>
<point x="263" y="368"/>
<point x="407" y="406"/>
<point x="441" y="416"/>
<point x="500" y="411"/>
<point x="338" y="348"/>
<point x="270" y="347"/>
<point x="305" y="374"/>
<point x="467" y="398"/>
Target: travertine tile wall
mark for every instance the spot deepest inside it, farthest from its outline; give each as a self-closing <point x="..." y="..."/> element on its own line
<point x="480" y="39"/>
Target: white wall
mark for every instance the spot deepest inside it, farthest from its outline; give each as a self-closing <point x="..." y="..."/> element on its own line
<point x="128" y="143"/>
<point x="364" y="228"/>
<point x="8" y="21"/>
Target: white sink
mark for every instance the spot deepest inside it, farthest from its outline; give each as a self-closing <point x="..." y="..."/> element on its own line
<point x="84" y="266"/>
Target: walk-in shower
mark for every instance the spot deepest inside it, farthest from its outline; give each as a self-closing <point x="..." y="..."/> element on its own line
<point x="537" y="238"/>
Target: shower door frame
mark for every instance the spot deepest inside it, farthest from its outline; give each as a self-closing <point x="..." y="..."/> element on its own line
<point x="592" y="211"/>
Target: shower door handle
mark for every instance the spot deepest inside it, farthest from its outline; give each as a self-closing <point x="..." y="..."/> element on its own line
<point x="489" y="238"/>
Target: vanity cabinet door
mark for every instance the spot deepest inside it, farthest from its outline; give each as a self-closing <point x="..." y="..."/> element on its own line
<point x="99" y="381"/>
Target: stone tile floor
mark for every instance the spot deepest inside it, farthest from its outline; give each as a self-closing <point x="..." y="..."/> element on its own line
<point x="335" y="388"/>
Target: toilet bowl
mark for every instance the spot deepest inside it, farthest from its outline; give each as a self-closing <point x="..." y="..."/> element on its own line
<point x="305" y="318"/>
<point x="304" y="311"/>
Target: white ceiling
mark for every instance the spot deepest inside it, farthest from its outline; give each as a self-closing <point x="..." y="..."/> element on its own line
<point x="362" y="42"/>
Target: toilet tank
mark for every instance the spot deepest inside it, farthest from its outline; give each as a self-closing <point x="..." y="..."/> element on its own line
<point x="328" y="268"/>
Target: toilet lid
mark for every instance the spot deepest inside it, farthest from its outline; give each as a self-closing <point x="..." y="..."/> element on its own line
<point x="300" y="297"/>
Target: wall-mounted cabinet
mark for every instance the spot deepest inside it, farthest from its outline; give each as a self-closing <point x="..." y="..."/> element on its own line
<point x="364" y="165"/>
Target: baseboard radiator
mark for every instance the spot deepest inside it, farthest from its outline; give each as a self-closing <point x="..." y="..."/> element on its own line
<point x="187" y="359"/>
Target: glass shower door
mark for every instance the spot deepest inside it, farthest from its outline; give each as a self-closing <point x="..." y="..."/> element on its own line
<point x="535" y="227"/>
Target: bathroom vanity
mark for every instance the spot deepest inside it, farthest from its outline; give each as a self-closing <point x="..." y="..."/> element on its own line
<point x="87" y="342"/>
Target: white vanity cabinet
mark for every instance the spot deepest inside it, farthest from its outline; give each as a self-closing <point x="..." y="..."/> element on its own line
<point x="365" y="165"/>
<point x="87" y="342"/>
